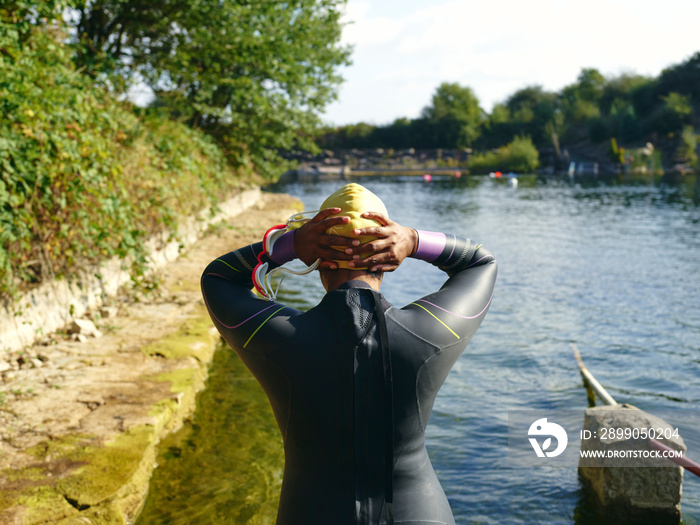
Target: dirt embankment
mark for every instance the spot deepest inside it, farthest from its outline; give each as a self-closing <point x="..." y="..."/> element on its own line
<point x="80" y="421"/>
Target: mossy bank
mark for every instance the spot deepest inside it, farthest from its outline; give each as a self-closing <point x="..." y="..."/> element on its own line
<point x="79" y="434"/>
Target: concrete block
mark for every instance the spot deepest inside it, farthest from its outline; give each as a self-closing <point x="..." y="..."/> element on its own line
<point x="627" y="483"/>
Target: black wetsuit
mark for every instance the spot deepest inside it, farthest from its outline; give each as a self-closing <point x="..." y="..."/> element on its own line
<point x="341" y="407"/>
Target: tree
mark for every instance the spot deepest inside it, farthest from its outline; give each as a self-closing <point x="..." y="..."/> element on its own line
<point x="674" y="112"/>
<point x="255" y="75"/>
<point x="535" y="112"/>
<point x="360" y="135"/>
<point x="456" y="110"/>
<point x="683" y="78"/>
<point x="27" y="14"/>
<point x="629" y="87"/>
<point x="687" y="151"/>
<point x="623" y="121"/>
<point x="500" y="114"/>
<point x="590" y="84"/>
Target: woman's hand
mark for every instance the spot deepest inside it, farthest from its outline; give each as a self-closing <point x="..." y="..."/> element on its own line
<point x="393" y="244"/>
<point x="311" y="241"/>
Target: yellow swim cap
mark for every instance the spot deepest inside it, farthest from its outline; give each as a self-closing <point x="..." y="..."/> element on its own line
<point x="354" y="200"/>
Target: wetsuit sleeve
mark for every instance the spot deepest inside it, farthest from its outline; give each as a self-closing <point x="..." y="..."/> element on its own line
<point x="457" y="309"/>
<point x="236" y="311"/>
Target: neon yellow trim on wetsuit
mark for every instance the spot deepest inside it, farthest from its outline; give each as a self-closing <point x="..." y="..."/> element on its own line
<point x="261" y="325"/>
<point x="438" y="320"/>
<point x="227" y="264"/>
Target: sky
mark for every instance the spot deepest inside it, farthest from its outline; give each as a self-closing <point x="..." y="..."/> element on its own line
<point x="404" y="49"/>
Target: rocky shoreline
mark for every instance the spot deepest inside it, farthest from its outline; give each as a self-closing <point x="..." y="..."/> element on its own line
<point x="81" y="414"/>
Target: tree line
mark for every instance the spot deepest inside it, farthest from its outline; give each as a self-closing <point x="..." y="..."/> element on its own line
<point x="607" y="112"/>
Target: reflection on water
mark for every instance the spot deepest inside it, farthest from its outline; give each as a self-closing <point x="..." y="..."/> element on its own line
<point x="609" y="265"/>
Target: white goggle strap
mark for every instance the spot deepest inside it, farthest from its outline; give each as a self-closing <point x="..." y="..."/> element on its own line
<point x="271" y="294"/>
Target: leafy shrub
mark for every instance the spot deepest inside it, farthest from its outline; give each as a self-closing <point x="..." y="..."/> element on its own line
<point x="688" y="150"/>
<point x="675" y="112"/>
<point x="82" y="177"/>
<point x="518" y="156"/>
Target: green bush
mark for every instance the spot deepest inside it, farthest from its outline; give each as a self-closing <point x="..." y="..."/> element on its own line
<point x="688" y="149"/>
<point x="518" y="156"/>
<point x="82" y="177"/>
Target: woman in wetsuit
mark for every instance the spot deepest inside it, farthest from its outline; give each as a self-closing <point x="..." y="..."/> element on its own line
<point x="353" y="380"/>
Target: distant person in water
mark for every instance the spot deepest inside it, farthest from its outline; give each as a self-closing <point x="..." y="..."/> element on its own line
<point x="353" y="380"/>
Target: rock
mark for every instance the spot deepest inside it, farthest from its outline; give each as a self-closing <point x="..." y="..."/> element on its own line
<point x="36" y="363"/>
<point x="84" y="327"/>
<point x="5" y="366"/>
<point x="92" y="401"/>
<point x="72" y="365"/>
<point x="633" y="489"/>
<point x="80" y="338"/>
<point x="108" y="311"/>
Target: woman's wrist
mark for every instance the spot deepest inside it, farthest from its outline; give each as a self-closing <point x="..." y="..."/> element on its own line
<point x="429" y="245"/>
<point x="283" y="249"/>
<point x="414" y="240"/>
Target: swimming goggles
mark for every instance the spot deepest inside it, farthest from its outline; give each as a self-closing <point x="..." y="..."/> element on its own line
<point x="262" y="275"/>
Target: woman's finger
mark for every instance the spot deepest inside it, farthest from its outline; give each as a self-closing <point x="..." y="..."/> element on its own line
<point x="328" y="265"/>
<point x="377" y="245"/>
<point x="373" y="259"/>
<point x="323" y="214"/>
<point x="383" y="268"/>
<point x="330" y="253"/>
<point x="336" y="240"/>
<point x="329" y="222"/>
<point x="374" y="231"/>
<point x="379" y="217"/>
<point x="373" y="266"/>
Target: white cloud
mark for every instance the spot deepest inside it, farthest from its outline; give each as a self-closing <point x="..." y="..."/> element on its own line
<point x="404" y="48"/>
<point x="364" y="32"/>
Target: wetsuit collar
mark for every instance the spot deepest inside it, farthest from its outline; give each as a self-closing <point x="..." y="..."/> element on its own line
<point x="354" y="283"/>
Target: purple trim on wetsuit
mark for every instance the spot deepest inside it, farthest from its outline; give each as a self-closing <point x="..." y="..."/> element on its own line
<point x="283" y="249"/>
<point x="430" y="245"/>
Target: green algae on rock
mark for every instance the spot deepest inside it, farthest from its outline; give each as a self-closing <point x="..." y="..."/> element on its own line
<point x="78" y="473"/>
<point x="188" y="341"/>
<point x="81" y="476"/>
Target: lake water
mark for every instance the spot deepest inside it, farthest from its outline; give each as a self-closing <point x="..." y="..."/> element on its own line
<point x="612" y="266"/>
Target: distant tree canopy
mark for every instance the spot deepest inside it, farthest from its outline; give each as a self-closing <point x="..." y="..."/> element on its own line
<point x="594" y="109"/>
<point x="683" y="78"/>
<point x="452" y="120"/>
<point x="455" y="109"/>
<point x="255" y="75"/>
